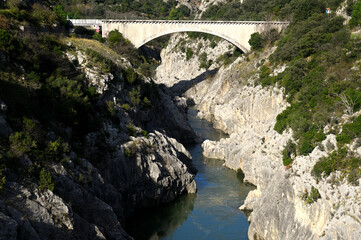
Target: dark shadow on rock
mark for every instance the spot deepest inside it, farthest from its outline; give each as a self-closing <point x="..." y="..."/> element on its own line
<point x="181" y="87"/>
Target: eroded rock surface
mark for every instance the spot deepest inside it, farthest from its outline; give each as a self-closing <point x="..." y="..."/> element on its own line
<point x="234" y="104"/>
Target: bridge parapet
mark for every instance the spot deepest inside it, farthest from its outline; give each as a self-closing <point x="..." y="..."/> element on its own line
<point x="108" y="21"/>
<point x="85" y="22"/>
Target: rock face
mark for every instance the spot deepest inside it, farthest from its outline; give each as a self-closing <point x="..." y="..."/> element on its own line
<point x="117" y="174"/>
<point x="234" y="104"/>
<point x="174" y="58"/>
<point x="5" y="129"/>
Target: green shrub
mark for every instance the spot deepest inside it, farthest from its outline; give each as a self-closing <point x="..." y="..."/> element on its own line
<point x="213" y="44"/>
<point x="312" y="196"/>
<point x="327" y="165"/>
<point x="126" y="107"/>
<point x="306" y="147"/>
<point x="287" y="152"/>
<point x="111" y="107"/>
<point x="131" y="130"/>
<point x="99" y="38"/>
<point x="45" y="181"/>
<point x="130" y="75"/>
<point x="134" y="97"/>
<point x="144" y="133"/>
<point x="350" y="131"/>
<point x="127" y="152"/>
<point x="20" y="144"/>
<point x="339" y="161"/>
<point x="256" y="41"/>
<point x="189" y="54"/>
<point x="146" y="103"/>
<point x="115" y="37"/>
<point x="356" y="15"/>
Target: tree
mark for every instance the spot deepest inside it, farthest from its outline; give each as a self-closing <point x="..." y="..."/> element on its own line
<point x="45" y="181"/>
<point x="356" y="15"/>
<point x="256" y="41"/>
<point x="115" y="37"/>
<point x="304" y="9"/>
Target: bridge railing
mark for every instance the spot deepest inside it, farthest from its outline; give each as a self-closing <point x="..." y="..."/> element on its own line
<point x="86" y="22"/>
<point x="91" y="22"/>
<point x="195" y="22"/>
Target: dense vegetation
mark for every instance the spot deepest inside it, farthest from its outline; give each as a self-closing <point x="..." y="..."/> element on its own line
<point x="50" y="106"/>
<point x="268" y="10"/>
<point x="322" y="83"/>
<point x="120" y="9"/>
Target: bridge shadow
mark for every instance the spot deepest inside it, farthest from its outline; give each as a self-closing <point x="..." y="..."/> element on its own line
<point x="183" y="86"/>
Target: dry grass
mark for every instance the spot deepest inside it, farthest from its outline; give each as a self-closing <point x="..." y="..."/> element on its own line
<point x="100" y="48"/>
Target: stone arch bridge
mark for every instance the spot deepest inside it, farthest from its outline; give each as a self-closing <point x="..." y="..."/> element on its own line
<point x="140" y="32"/>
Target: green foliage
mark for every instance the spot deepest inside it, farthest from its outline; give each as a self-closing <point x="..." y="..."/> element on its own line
<point x="256" y="41"/>
<point x="45" y="181"/>
<point x="179" y="13"/>
<point x="130" y="75"/>
<point x="350" y="131"/>
<point x="127" y="152"/>
<point x="288" y="151"/>
<point x="99" y="38"/>
<point x="111" y="107"/>
<point x="105" y="65"/>
<point x="9" y="44"/>
<point x="339" y="161"/>
<point x="305" y="8"/>
<point x="144" y="133"/>
<point x="131" y="130"/>
<point x="203" y="59"/>
<point x="20" y="144"/>
<point x="148" y="69"/>
<point x="115" y="37"/>
<point x="356" y="15"/>
<point x="189" y="54"/>
<point x="213" y="44"/>
<point x="146" y="103"/>
<point x="312" y="196"/>
<point x="134" y="97"/>
<point x="44" y="14"/>
<point x="126" y="107"/>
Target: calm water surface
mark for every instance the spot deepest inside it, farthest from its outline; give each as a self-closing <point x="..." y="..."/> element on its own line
<point x="212" y="213"/>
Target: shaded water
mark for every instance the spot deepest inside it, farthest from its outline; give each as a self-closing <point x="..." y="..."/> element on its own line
<point x="212" y="213"/>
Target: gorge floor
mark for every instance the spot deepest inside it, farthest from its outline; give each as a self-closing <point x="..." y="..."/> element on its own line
<point x="212" y="213"/>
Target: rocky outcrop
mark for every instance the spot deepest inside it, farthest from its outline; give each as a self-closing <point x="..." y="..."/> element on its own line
<point x="233" y="103"/>
<point x="174" y="58"/>
<point x="123" y="168"/>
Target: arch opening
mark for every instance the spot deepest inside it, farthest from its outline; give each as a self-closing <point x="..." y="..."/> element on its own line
<point x="232" y="41"/>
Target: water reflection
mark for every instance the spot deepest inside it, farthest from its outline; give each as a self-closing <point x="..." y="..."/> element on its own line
<point x="160" y="222"/>
<point x="210" y="214"/>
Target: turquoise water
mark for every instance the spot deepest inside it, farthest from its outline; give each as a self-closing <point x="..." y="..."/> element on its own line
<point x="211" y="213"/>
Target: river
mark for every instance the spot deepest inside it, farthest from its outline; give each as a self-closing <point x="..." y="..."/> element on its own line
<point x="211" y="213"/>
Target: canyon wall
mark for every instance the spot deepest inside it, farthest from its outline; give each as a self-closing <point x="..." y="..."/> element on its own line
<point x="232" y="101"/>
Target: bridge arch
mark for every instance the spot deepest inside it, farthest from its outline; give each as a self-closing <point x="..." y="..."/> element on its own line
<point x="238" y="33"/>
<point x="244" y="49"/>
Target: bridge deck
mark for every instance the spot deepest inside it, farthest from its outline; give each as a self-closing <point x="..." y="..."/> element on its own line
<point x="90" y="22"/>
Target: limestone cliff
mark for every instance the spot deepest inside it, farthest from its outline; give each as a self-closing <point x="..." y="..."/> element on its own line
<point x="231" y="100"/>
<point x="123" y="167"/>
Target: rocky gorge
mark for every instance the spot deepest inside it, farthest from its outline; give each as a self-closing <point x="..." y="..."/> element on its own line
<point x="90" y="134"/>
<point x="124" y="167"/>
<point x="232" y="101"/>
